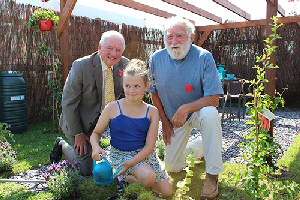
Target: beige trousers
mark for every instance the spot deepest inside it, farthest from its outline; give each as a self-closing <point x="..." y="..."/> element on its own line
<point x="208" y="122"/>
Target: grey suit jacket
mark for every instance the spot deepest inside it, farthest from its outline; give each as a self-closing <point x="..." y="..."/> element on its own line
<point x="82" y="93"/>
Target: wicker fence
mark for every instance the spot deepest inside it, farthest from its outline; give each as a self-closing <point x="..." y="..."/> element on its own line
<point x="236" y="48"/>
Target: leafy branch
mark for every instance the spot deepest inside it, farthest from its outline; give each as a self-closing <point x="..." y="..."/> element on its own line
<point x="261" y="145"/>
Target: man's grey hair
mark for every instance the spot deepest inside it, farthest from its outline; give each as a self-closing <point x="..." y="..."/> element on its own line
<point x="178" y="21"/>
<point x="109" y="34"/>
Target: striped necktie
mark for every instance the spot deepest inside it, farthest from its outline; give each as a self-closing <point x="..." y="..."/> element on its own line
<point x="109" y="87"/>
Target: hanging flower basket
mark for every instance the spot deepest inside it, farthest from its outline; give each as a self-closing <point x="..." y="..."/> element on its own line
<point x="45" y="0"/>
<point x="37" y="20"/>
<point x="46" y="24"/>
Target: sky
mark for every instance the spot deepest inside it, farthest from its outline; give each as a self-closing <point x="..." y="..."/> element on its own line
<point x="120" y="14"/>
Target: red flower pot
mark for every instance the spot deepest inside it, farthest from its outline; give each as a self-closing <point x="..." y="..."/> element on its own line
<point x="46" y="25"/>
<point x="45" y="0"/>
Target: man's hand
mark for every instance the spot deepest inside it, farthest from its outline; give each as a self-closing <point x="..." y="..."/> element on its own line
<point x="80" y="144"/>
<point x="168" y="131"/>
<point x="180" y="117"/>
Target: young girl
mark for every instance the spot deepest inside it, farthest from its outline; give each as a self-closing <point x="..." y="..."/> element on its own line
<point x="133" y="129"/>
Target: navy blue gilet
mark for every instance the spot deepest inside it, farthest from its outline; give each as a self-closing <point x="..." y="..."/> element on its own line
<point x="128" y="133"/>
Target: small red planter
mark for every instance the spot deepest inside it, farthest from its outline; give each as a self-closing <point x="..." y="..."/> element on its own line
<point x="46" y="25"/>
<point x="266" y="117"/>
<point x="45" y="0"/>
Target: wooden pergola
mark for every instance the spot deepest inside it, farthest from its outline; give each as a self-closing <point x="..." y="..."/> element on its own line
<point x="67" y="7"/>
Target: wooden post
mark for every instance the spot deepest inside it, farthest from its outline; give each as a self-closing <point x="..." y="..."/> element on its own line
<point x="64" y="45"/>
<point x="271" y="72"/>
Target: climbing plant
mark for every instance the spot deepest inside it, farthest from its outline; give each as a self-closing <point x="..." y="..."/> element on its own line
<point x="54" y="80"/>
<point x="261" y="146"/>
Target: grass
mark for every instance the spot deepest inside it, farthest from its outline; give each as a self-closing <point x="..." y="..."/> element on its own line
<point x="35" y="145"/>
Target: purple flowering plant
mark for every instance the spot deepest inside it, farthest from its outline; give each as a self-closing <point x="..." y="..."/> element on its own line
<point x="63" y="179"/>
<point x="7" y="153"/>
<point x="63" y="167"/>
<point x="7" y="157"/>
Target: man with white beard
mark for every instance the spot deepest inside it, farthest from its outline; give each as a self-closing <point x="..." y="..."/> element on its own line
<point x="185" y="88"/>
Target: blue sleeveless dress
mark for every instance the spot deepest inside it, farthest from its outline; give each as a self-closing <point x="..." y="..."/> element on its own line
<point x="126" y="140"/>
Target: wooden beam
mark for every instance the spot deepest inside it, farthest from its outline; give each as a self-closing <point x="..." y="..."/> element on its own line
<point x="261" y="22"/>
<point x="141" y="7"/>
<point x="230" y="6"/>
<point x="65" y="15"/>
<point x="189" y="7"/>
<point x="203" y="38"/>
<point x="271" y="73"/>
<point x="64" y="42"/>
<point x="280" y="9"/>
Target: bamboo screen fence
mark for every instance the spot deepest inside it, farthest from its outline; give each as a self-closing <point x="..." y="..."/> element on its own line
<point x="236" y="48"/>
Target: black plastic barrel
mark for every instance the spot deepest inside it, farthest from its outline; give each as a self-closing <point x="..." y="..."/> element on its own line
<point x="13" y="101"/>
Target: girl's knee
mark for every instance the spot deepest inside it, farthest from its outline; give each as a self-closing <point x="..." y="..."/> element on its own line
<point x="165" y="188"/>
<point x="148" y="180"/>
<point x="145" y="176"/>
<point x="167" y="191"/>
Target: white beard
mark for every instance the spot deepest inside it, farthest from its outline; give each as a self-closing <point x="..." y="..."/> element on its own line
<point x="181" y="52"/>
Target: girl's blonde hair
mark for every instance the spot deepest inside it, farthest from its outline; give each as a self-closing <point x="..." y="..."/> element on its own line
<point x="137" y="67"/>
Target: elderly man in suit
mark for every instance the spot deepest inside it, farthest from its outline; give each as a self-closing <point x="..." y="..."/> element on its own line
<point x="85" y="94"/>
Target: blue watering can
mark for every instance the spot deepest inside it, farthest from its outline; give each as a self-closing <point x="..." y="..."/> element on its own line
<point x="103" y="172"/>
<point x="222" y="71"/>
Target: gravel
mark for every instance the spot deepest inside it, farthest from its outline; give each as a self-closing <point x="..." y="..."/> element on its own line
<point x="286" y="128"/>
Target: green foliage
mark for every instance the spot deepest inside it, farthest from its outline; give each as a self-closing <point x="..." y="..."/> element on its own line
<point x="105" y="142"/>
<point x="55" y="84"/>
<point x="5" y="134"/>
<point x="14" y="191"/>
<point x="160" y="149"/>
<point x="136" y="191"/>
<point x="88" y="190"/>
<point x="182" y="186"/>
<point x="42" y="14"/>
<point x="261" y="146"/>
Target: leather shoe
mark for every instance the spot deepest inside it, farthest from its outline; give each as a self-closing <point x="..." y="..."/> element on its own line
<point x="210" y="187"/>
<point x="56" y="153"/>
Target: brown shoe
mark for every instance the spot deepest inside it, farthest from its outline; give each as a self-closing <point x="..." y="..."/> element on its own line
<point x="210" y="187"/>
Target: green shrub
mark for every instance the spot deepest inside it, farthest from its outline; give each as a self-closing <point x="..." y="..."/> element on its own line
<point x="5" y="134"/>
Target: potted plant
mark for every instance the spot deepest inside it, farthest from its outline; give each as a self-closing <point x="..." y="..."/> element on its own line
<point x="43" y="19"/>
